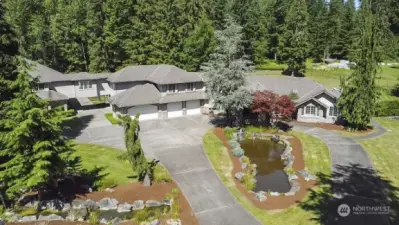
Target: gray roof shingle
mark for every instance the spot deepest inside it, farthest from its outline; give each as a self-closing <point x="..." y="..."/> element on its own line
<point x="137" y="95"/>
<point x="88" y="76"/>
<point x="180" y="97"/>
<point x="159" y="74"/>
<point x="52" y="95"/>
<point x="43" y="73"/>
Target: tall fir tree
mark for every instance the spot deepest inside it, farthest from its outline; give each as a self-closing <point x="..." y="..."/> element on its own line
<point x="318" y="24"/>
<point x="226" y="72"/>
<point x="294" y="42"/>
<point x="336" y="31"/>
<point x="359" y="98"/>
<point x="36" y="152"/>
<point x="277" y="19"/>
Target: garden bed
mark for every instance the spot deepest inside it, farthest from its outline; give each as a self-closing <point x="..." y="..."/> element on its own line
<point x="272" y="202"/>
<point x="338" y="128"/>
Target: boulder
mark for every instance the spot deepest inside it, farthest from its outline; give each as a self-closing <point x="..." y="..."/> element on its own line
<point x="108" y="204"/>
<point x="260" y="196"/>
<point x="306" y="175"/>
<point x="274" y="193"/>
<point x="167" y="202"/>
<point x="138" y="205"/>
<point x="90" y="204"/>
<point x="28" y="219"/>
<point x="244" y="166"/>
<point x="77" y="204"/>
<point x="50" y="217"/>
<point x="125" y="207"/>
<point x="14" y="218"/>
<point x="152" y="203"/>
<point x="173" y="222"/>
<point x="147" y="180"/>
<point x="239" y="176"/>
<point x="292" y="177"/>
<point x="103" y="221"/>
<point x="67" y="207"/>
<point x="116" y="221"/>
<point x="77" y="214"/>
<point x="110" y="190"/>
<point x="275" y="138"/>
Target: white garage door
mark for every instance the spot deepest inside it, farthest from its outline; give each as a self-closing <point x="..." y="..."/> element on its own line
<point x="175" y="109"/>
<point x="193" y="107"/>
<point x="147" y="112"/>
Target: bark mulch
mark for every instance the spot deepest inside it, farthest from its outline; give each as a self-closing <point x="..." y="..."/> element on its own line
<point x="337" y="127"/>
<point x="272" y="202"/>
<point x="129" y="193"/>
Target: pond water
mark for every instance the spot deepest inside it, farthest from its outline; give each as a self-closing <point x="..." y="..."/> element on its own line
<point x="267" y="156"/>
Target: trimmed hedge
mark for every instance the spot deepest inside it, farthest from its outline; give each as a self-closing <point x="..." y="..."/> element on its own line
<point x="389" y="108"/>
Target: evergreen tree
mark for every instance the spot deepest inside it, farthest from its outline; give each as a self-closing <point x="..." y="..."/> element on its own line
<point x="36" y="152"/>
<point x="134" y="153"/>
<point x="277" y="20"/>
<point x="336" y="31"/>
<point x="218" y="12"/>
<point x="294" y="41"/>
<point x="349" y="27"/>
<point x="318" y="18"/>
<point x="226" y="72"/>
<point x="358" y="101"/>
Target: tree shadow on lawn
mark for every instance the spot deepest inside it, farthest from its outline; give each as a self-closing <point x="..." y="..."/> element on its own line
<point x="355" y="186"/>
<point x="75" y="126"/>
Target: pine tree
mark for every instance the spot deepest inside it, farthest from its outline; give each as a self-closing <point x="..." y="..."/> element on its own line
<point x="36" y="152"/>
<point x="349" y="26"/>
<point x="277" y="19"/>
<point x="318" y="18"/>
<point x="294" y="41"/>
<point x="358" y="101"/>
<point x="226" y="72"/>
<point x="336" y="31"/>
<point x="218" y="13"/>
<point x="134" y="153"/>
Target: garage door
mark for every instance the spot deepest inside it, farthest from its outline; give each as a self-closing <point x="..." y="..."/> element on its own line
<point x="147" y="112"/>
<point x="175" y="109"/>
<point x="193" y="107"/>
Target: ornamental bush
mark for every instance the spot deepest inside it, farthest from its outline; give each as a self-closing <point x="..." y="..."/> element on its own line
<point x="233" y="144"/>
<point x="238" y="151"/>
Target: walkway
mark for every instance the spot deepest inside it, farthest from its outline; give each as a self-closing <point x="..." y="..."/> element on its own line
<point x="177" y="144"/>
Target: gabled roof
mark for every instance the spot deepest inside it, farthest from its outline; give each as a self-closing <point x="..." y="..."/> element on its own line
<point x="159" y="74"/>
<point x="52" y="95"/>
<point x="137" y="95"/>
<point x="312" y="94"/>
<point x="43" y="73"/>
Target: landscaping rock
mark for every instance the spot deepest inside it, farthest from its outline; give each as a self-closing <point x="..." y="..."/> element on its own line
<point x="90" y="204"/>
<point x="173" y="222"/>
<point x="147" y="180"/>
<point x="125" y="207"/>
<point x="260" y="196"/>
<point x="241" y="158"/>
<point x="66" y="207"/>
<point x="25" y="199"/>
<point x="152" y="203"/>
<point x="108" y="204"/>
<point x="103" y="221"/>
<point x="28" y="219"/>
<point x="77" y="204"/>
<point x="15" y="218"/>
<point x="244" y="166"/>
<point x="274" y="194"/>
<point x="50" y="217"/>
<point x="167" y="202"/>
<point x="292" y="177"/>
<point x="306" y="175"/>
<point x="254" y="172"/>
<point x="288" y="137"/>
<point x="275" y="138"/>
<point x="110" y="190"/>
<point x="138" y="205"/>
<point x="53" y="204"/>
<point x="77" y="214"/>
<point x="239" y="176"/>
<point x="116" y="221"/>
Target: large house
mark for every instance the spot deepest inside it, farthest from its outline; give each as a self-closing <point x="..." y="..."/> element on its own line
<point x="165" y="91"/>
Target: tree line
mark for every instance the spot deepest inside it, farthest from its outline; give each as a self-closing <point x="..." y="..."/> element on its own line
<point x="105" y="35"/>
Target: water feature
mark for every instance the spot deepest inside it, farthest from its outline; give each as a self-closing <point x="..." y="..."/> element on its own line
<point x="266" y="154"/>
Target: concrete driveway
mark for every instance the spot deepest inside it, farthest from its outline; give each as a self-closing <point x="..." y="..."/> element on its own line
<point x="94" y="128"/>
<point x="177" y="144"/>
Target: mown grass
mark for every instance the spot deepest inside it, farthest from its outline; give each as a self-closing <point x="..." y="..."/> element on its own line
<point x="112" y="170"/>
<point x="114" y="121"/>
<point x="222" y="164"/>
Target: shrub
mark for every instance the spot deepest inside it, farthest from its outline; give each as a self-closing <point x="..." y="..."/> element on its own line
<point x="93" y="218"/>
<point x="245" y="159"/>
<point x="142" y="215"/>
<point x="388" y="108"/>
<point x="238" y="151"/>
<point x="161" y="175"/>
<point x="248" y="181"/>
<point x="233" y="144"/>
<point x="229" y="132"/>
<point x="105" y="183"/>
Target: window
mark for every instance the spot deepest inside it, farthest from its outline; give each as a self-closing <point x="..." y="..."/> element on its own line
<point x="172" y="88"/>
<point x="333" y="111"/>
<point x="85" y="85"/>
<point x="190" y="87"/>
<point x="41" y="87"/>
<point x="310" y="110"/>
<point x="184" y="105"/>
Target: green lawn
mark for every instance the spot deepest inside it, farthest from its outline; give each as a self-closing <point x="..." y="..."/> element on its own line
<point x="115" y="171"/>
<point x="99" y="100"/>
<point x="110" y="117"/>
<point x="384" y="151"/>
<point x="314" y="151"/>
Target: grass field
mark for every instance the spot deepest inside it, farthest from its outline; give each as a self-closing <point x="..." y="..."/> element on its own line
<point x="314" y="150"/>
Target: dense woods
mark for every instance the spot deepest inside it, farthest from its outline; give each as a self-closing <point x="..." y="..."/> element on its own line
<point x="105" y="35"/>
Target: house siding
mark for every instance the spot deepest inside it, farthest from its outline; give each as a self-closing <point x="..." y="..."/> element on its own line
<point x="322" y="116"/>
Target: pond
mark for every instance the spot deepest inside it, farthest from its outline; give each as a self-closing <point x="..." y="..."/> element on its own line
<point x="266" y="154"/>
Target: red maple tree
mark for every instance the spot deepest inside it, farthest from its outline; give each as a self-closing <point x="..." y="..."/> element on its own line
<point x="270" y="106"/>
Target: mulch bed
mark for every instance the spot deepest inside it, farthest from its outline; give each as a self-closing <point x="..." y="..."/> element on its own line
<point x="272" y="202"/>
<point x="129" y="193"/>
<point x="328" y="126"/>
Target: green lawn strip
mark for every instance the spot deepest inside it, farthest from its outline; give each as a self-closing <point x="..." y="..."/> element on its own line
<point x="110" y="117"/>
<point x="223" y="166"/>
<point x="384" y="151"/>
<point x="98" y="100"/>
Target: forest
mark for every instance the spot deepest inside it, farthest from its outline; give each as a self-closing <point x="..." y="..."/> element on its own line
<point x="106" y="35"/>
